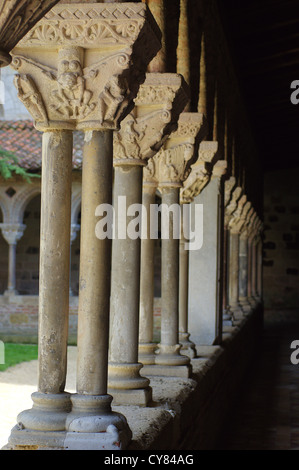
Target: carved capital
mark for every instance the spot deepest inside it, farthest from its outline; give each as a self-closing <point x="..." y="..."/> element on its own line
<point x="232" y="204"/>
<point x="219" y="169"/>
<point x="95" y="58"/>
<point x="247" y="215"/>
<point x="200" y="173"/>
<point x="12" y="233"/>
<point x="236" y="222"/>
<point x="171" y="165"/>
<point x="229" y="186"/>
<point x="159" y="102"/>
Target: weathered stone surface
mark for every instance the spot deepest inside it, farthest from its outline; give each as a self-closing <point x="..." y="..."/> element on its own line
<point x="95" y="60"/>
<point x="160" y="100"/>
<point x="170" y="166"/>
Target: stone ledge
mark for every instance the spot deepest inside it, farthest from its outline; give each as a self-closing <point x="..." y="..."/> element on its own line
<point x="188" y="413"/>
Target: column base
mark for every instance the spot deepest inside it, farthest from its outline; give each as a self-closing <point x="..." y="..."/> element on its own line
<point x="188" y="347"/>
<point x="111" y="439"/>
<point x="146" y="353"/>
<point x="48" y="413"/>
<point x="246" y="307"/>
<point x="10" y="293"/>
<point x="169" y="355"/>
<point x="227" y="318"/>
<point x="42" y="426"/>
<point x="92" y="425"/>
<point x="126" y="384"/>
<point x="236" y="313"/>
<point x="28" y="439"/>
<point x="184" y="371"/>
<point x="139" y="397"/>
<point x="252" y="301"/>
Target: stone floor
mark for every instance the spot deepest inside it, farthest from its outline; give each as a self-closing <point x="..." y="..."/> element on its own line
<point x="267" y="414"/>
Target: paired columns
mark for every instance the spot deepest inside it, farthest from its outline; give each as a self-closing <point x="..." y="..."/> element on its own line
<point x="157" y="107"/>
<point x="168" y="169"/>
<point x="83" y="83"/>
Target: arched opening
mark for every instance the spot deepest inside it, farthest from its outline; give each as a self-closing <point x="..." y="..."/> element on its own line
<point x="27" y="268"/>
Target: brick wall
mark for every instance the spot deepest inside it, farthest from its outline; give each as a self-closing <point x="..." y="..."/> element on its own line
<point x="19" y="318"/>
<point x="281" y="241"/>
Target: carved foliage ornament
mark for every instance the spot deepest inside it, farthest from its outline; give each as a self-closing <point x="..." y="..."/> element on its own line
<point x="200" y="172"/>
<point x="16" y="19"/>
<point x="232" y="205"/>
<point x="171" y="165"/>
<point x="158" y="104"/>
<point x="91" y="79"/>
<point x="237" y="221"/>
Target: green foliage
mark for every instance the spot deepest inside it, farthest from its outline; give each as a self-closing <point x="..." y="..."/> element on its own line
<point x="9" y="165"/>
<point x="17" y="353"/>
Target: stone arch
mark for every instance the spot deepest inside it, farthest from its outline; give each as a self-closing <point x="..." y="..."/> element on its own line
<point x="22" y="199"/>
<point x="4" y="207"/>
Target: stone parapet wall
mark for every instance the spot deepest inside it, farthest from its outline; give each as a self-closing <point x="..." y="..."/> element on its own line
<point x="190" y="413"/>
<point x="19" y="318"/>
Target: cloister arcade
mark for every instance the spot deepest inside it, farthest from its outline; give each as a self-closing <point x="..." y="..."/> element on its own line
<point x="151" y="89"/>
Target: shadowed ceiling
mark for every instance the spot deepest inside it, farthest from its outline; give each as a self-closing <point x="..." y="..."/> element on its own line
<point x="264" y="40"/>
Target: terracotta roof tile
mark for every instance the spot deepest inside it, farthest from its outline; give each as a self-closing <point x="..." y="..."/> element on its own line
<point x="25" y="142"/>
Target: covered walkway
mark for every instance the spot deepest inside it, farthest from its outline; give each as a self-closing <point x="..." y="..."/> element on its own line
<point x="266" y="416"/>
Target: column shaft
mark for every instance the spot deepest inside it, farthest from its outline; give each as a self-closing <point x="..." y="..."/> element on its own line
<point x="126" y="273"/>
<point x="54" y="259"/>
<point x="243" y="272"/>
<point x="233" y="289"/>
<point x="188" y="347"/>
<point x="168" y="353"/>
<point x="146" y="345"/>
<point x="11" y="285"/>
<point x="95" y="260"/>
<point x="125" y="383"/>
<point x="170" y="276"/>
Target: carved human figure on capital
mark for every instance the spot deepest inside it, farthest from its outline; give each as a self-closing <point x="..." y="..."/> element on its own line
<point x="71" y="92"/>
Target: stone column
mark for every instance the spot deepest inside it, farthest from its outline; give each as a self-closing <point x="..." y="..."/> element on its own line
<point x="198" y="178"/>
<point x="170" y="168"/>
<point x="157" y="107"/>
<point x="260" y="264"/>
<point x="235" y="225"/>
<point x="206" y="264"/>
<point x="146" y="307"/>
<point x="12" y="233"/>
<point x="243" y="263"/>
<point x="253" y="298"/>
<point x="51" y="404"/>
<point x="83" y="82"/>
<point x="231" y="196"/>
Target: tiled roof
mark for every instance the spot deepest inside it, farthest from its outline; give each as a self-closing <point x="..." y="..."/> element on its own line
<point x="25" y="142"/>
